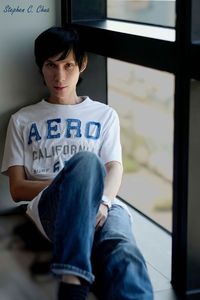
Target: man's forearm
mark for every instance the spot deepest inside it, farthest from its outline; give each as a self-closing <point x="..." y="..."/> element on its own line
<point x="113" y="179"/>
<point x="26" y="190"/>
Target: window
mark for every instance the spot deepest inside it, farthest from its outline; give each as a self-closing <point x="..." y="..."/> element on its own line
<point x="144" y="100"/>
<point x="146" y="11"/>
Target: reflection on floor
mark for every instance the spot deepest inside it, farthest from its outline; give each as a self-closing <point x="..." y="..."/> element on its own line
<point x="155" y="245"/>
<point x="18" y="280"/>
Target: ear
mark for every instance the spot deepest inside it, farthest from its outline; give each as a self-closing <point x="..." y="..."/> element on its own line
<point x="84" y="64"/>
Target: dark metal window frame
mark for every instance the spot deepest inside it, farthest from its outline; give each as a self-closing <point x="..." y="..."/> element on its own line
<point x="179" y="57"/>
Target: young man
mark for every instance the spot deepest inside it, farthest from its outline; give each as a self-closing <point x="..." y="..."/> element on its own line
<point x="63" y="155"/>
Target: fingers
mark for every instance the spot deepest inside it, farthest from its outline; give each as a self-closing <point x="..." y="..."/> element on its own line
<point x="101" y="216"/>
<point x="98" y="218"/>
<point x="100" y="221"/>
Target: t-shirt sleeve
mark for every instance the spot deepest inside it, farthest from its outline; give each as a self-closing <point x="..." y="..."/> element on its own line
<point x="111" y="149"/>
<point x="13" y="150"/>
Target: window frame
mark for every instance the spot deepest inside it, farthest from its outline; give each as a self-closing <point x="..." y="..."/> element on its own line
<point x="179" y="57"/>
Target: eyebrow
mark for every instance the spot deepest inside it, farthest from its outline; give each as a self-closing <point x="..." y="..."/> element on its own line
<point x="54" y="61"/>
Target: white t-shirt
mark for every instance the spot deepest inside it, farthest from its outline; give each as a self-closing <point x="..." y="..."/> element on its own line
<point x="43" y="136"/>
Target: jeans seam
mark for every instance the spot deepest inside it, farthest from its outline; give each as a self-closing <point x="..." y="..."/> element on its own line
<point x="59" y="269"/>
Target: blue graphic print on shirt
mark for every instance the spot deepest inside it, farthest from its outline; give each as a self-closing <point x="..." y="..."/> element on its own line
<point x="69" y="136"/>
<point x="92" y="130"/>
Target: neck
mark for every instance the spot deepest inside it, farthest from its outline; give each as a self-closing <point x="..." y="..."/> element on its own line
<point x="63" y="101"/>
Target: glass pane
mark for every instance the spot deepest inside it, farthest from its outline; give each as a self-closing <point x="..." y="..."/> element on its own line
<point x="144" y="11"/>
<point x="144" y="100"/>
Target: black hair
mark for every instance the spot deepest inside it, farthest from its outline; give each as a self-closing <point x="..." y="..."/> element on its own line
<point x="57" y="40"/>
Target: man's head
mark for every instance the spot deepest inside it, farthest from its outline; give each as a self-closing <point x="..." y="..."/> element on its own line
<point x="56" y="40"/>
<point x="60" y="58"/>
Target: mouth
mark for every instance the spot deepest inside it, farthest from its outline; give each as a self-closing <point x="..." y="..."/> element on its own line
<point x="59" y="88"/>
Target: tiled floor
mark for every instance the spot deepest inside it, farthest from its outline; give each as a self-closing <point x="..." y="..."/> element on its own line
<point x="17" y="283"/>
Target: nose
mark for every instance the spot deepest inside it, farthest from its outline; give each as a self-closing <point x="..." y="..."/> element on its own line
<point x="59" y="75"/>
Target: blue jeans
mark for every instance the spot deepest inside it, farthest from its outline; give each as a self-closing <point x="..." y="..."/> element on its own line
<point x="109" y="258"/>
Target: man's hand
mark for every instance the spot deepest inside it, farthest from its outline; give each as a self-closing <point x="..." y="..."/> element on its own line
<point x="101" y="216"/>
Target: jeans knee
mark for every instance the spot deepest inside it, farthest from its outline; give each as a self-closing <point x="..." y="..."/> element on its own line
<point x="82" y="178"/>
<point x="85" y="162"/>
<point x="88" y="157"/>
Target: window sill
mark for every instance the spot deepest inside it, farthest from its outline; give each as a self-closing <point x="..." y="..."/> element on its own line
<point x="148" y="31"/>
<point x="145" y="45"/>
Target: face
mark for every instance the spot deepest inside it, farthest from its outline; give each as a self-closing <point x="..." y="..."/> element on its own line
<point x="61" y="77"/>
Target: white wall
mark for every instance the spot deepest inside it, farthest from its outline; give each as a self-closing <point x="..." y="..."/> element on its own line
<point x="20" y="82"/>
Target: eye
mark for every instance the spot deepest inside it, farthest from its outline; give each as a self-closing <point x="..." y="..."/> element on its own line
<point x="69" y="66"/>
<point x="50" y="65"/>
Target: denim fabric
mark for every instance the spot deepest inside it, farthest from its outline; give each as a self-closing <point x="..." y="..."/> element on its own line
<point x="68" y="209"/>
<point x="118" y="264"/>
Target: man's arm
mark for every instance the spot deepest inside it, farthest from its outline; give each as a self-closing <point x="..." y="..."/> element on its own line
<point x="112" y="182"/>
<point x="114" y="171"/>
<point x="22" y="189"/>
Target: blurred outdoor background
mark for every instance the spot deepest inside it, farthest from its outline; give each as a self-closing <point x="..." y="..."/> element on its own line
<point x="144" y="100"/>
